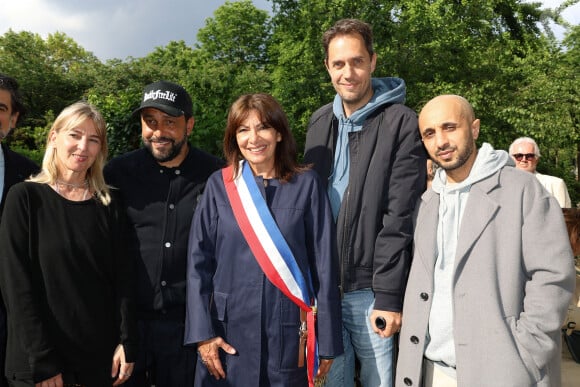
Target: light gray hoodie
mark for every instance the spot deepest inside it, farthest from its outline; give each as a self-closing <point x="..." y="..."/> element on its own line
<point x="440" y="345"/>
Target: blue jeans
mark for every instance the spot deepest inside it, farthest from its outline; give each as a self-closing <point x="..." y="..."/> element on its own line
<point x="374" y="353"/>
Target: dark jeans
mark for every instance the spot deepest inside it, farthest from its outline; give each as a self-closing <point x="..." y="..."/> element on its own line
<point x="163" y="361"/>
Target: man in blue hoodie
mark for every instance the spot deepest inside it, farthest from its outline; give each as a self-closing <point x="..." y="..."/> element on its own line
<point x="492" y="272"/>
<point x="367" y="149"/>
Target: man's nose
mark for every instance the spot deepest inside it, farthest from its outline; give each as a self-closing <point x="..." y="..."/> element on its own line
<point x="441" y="140"/>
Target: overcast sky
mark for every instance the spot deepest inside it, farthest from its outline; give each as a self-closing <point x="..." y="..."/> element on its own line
<point x="124" y="28"/>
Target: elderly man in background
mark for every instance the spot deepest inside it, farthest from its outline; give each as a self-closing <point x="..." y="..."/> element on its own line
<point x="526" y="155"/>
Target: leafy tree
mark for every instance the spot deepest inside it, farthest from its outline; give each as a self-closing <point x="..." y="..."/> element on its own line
<point x="238" y="34"/>
<point x="499" y="54"/>
<point x="230" y="59"/>
<point x="436" y="46"/>
<point x="52" y="73"/>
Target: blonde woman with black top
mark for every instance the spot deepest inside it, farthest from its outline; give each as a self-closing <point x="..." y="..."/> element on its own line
<point x="64" y="276"/>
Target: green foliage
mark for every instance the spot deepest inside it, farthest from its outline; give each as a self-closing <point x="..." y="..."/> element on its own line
<point x="499" y="54"/>
<point x="35" y="155"/>
<point x="238" y="34"/>
<point x="230" y="60"/>
<point x="214" y="88"/>
<point x="53" y="73"/>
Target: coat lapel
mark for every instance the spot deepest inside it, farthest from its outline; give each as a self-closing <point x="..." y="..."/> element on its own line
<point x="479" y="211"/>
<point x="426" y="229"/>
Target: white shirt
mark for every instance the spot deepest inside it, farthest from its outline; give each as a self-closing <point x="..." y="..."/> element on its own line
<point x="557" y="188"/>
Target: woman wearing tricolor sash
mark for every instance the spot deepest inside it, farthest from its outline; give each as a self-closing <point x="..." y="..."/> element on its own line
<point x="263" y="304"/>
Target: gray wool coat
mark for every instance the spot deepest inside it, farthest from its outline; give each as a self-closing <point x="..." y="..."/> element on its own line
<point x="513" y="280"/>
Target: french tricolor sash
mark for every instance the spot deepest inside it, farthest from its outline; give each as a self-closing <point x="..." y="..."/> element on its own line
<point x="272" y="251"/>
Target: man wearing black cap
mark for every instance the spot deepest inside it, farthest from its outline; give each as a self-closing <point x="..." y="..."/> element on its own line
<point x="161" y="184"/>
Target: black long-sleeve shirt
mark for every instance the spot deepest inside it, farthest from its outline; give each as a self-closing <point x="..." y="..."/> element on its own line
<point x="66" y="282"/>
<point x="160" y="202"/>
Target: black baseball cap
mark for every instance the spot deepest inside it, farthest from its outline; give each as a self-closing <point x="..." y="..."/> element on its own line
<point x="168" y="97"/>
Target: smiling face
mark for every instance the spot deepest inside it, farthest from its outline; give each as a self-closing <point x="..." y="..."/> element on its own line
<point x="257" y="143"/>
<point x="76" y="149"/>
<point x="165" y="136"/>
<point x="350" y="67"/>
<point x="449" y="131"/>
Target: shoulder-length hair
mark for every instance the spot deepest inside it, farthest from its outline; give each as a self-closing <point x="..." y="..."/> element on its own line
<point x="271" y="115"/>
<point x="72" y="116"/>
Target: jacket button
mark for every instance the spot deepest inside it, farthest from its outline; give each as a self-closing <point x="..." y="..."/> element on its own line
<point x="424" y="296"/>
<point x="408" y="382"/>
<point x="414" y="340"/>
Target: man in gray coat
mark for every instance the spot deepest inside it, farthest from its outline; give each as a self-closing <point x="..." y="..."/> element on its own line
<point x="492" y="273"/>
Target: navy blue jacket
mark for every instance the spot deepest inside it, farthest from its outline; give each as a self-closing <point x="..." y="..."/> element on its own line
<point x="228" y="295"/>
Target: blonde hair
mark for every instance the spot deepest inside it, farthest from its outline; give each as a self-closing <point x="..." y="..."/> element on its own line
<point x="72" y="116"/>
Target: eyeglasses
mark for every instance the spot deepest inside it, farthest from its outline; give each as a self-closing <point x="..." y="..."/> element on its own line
<point x="527" y="156"/>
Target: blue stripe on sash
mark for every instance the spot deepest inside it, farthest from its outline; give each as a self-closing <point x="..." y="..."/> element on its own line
<point x="275" y="233"/>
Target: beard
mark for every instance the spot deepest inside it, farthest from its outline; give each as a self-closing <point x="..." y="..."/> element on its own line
<point x="461" y="159"/>
<point x="169" y="154"/>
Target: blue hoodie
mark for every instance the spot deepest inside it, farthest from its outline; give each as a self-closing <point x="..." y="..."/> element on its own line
<point x="385" y="90"/>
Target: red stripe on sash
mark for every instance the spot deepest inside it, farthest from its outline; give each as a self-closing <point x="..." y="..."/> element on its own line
<point x="269" y="270"/>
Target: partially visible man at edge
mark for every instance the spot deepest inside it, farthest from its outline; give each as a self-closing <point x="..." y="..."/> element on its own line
<point x="366" y="147"/>
<point x="14" y="168"/>
<point x="161" y="184"/>
<point x="492" y="271"/>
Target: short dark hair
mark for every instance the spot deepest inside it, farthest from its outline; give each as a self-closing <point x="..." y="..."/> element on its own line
<point x="349" y="27"/>
<point x="10" y="84"/>
<point x="272" y="115"/>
